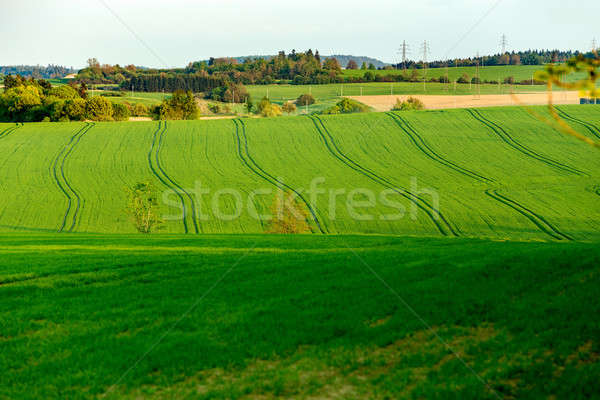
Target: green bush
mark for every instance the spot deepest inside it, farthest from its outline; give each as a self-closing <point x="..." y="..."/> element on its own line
<point x="271" y="110"/>
<point x="139" y="110"/>
<point x="305" y="100"/>
<point x="464" y="79"/>
<point x="75" y="109"/>
<point x="262" y="104"/>
<point x="347" y="106"/>
<point x="289" y="107"/>
<point x="120" y="112"/>
<point x="98" y="109"/>
<point x="181" y="105"/>
<point x="411" y="103"/>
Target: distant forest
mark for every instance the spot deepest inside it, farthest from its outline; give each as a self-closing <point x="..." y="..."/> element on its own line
<point x="37" y="71"/>
<point x="292" y="68"/>
<point x="527" y="57"/>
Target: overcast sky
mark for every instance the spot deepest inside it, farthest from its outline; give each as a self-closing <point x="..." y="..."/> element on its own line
<point x="179" y="31"/>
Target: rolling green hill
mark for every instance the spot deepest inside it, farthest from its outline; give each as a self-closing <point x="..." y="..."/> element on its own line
<point x="496" y="173"/>
<point x="268" y="316"/>
<point x="484" y="287"/>
<point x="494" y="73"/>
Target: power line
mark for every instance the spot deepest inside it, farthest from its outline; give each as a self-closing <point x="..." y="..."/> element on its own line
<point x="503" y="43"/>
<point x="403" y="52"/>
<point x="425" y="51"/>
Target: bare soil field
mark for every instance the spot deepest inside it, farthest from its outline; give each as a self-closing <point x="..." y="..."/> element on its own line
<point x="432" y="102"/>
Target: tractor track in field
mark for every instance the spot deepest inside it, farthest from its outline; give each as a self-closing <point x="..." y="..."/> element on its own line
<point x="253" y="166"/>
<point x="160" y="173"/>
<point x="422" y="145"/>
<point x="74" y="200"/>
<point x="593" y="129"/>
<point x="434" y="215"/>
<point x="509" y="140"/>
<point x="10" y="130"/>
<point x="537" y="219"/>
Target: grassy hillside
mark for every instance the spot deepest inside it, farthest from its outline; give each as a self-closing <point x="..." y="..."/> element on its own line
<point x="494" y="73"/>
<point x="227" y="317"/>
<point x="497" y="173"/>
<point x="334" y="91"/>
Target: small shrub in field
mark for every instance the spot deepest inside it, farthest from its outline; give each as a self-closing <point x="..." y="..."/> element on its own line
<point x="412" y="103"/>
<point x="346" y="106"/>
<point x="214" y="108"/>
<point x="305" y="100"/>
<point x="139" y="110"/>
<point x="120" y="112"/>
<point x="289" y="107"/>
<point x="98" y="109"/>
<point x="142" y="206"/>
<point x="271" y="110"/>
<point x="289" y="214"/>
<point x="463" y="79"/>
<point x="262" y="104"/>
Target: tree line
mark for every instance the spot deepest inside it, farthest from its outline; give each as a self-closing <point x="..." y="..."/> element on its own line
<point x="526" y="57"/>
<point x="37" y="71"/>
<point x="298" y="68"/>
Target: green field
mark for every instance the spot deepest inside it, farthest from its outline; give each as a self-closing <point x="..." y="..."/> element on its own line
<point x="353" y="317"/>
<point x="493" y="73"/>
<point x="497" y="173"/>
<point x="328" y="95"/>
<point x="490" y="292"/>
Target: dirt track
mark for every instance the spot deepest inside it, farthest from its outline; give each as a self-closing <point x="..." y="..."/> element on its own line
<point x="385" y="103"/>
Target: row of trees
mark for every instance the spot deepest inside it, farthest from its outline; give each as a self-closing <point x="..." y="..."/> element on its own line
<point x="198" y="82"/>
<point x="526" y="57"/>
<point x="37" y="71"/>
<point x="201" y="76"/>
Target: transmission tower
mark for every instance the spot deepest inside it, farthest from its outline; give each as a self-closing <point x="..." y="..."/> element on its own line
<point x="594" y="45"/>
<point x="478" y="78"/>
<point x="403" y="52"/>
<point x="503" y="44"/>
<point x="425" y="51"/>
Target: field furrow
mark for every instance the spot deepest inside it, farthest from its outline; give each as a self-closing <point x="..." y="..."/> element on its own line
<point x="422" y="145"/>
<point x="440" y="221"/>
<point x="176" y="186"/>
<point x="8" y="131"/>
<point x="534" y="217"/>
<point x="74" y="200"/>
<point x="509" y="140"/>
<point x="593" y="129"/>
<point x="246" y="157"/>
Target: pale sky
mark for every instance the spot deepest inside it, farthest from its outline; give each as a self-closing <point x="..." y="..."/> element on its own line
<point x="179" y="31"/>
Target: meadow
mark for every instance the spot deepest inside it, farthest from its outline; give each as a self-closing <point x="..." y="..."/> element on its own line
<point x="486" y="73"/>
<point x="496" y="173"/>
<point x="496" y="72"/>
<point x="490" y="292"/>
<point x="268" y="316"/>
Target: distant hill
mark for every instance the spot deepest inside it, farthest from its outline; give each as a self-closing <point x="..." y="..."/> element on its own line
<point x="343" y="60"/>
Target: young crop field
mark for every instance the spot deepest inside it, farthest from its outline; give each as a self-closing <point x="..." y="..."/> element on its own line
<point x="495" y="173"/>
<point x="331" y="92"/>
<point x="353" y="317"/>
<point x="486" y="73"/>
<point x="328" y="95"/>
